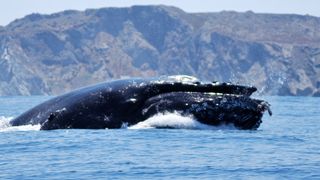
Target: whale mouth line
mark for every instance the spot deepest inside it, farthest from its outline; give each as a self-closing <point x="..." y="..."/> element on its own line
<point x="262" y="106"/>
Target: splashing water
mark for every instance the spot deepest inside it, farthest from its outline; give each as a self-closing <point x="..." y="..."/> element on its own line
<point x="176" y="121"/>
<point x="5" y="126"/>
<point x="4" y="122"/>
<point x="161" y="120"/>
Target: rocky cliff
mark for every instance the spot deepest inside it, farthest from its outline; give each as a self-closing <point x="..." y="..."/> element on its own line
<point x="52" y="54"/>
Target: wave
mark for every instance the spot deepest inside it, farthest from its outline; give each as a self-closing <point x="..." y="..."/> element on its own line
<point x="5" y="126"/>
<point x="175" y="121"/>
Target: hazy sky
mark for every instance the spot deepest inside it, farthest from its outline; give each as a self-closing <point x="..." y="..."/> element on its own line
<point x="12" y="9"/>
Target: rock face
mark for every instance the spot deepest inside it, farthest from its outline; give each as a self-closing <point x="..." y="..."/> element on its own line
<point x="52" y="54"/>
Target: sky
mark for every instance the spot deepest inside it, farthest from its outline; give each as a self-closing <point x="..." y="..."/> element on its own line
<point x="13" y="9"/>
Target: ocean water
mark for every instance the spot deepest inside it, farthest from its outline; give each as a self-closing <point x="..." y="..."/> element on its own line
<point x="286" y="146"/>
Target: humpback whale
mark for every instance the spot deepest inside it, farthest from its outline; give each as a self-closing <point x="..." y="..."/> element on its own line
<point x="130" y="101"/>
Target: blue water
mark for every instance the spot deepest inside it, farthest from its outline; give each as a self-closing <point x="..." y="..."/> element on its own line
<point x="286" y="146"/>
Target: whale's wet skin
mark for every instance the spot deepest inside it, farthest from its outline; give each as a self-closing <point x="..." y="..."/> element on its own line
<point x="113" y="104"/>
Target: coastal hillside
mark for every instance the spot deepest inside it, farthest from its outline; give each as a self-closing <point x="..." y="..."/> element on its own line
<point x="52" y="54"/>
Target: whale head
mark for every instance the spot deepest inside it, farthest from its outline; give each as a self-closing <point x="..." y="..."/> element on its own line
<point x="130" y="101"/>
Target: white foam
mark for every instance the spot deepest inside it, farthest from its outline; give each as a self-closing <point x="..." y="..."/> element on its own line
<point x="22" y="128"/>
<point x="161" y="120"/>
<point x="4" y="122"/>
<point x="176" y="121"/>
<point x="5" y="126"/>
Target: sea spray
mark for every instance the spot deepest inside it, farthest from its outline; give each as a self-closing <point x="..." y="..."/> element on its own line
<point x="4" y="122"/>
<point x="176" y="121"/>
<point x="6" y="126"/>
